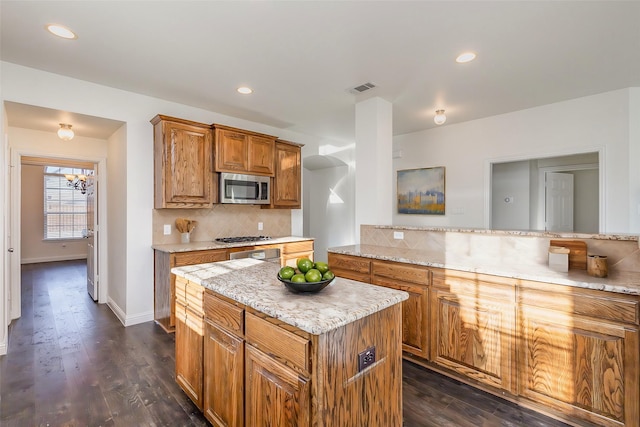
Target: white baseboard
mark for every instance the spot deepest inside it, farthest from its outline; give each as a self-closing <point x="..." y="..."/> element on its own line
<point x="139" y="318"/>
<point x="129" y="320"/>
<point x="52" y="258"/>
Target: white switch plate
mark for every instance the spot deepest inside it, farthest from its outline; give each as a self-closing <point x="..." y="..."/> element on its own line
<point x="167" y="229"/>
<point x="260" y="226"/>
<point x="398" y="235"/>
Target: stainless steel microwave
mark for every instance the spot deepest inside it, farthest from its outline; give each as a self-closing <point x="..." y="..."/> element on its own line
<point x="247" y="189"/>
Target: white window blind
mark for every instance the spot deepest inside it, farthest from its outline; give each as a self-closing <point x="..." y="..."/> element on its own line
<point x="65" y="208"/>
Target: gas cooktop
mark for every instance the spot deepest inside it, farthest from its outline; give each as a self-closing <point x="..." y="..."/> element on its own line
<point x="241" y="239"/>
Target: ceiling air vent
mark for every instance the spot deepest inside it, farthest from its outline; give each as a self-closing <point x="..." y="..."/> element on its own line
<point x="362" y="88"/>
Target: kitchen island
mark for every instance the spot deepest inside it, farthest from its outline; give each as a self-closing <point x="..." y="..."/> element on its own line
<point x="251" y="352"/>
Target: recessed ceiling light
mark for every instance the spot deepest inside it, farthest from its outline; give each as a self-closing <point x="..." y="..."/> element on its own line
<point x="465" y="57"/>
<point x="244" y="90"/>
<point x="61" y="31"/>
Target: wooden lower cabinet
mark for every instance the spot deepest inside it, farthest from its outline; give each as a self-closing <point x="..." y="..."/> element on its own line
<point x="570" y="352"/>
<point x="276" y="395"/>
<point x="224" y="381"/>
<point x="164" y="282"/>
<point x="585" y="367"/>
<point x="189" y="339"/>
<point x="415" y="310"/>
<point x="473" y="326"/>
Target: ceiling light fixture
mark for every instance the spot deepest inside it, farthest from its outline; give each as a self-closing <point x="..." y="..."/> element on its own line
<point x="65" y="132"/>
<point x="61" y="31"/>
<point x="244" y="90"/>
<point x="440" y="118"/>
<point x="465" y="57"/>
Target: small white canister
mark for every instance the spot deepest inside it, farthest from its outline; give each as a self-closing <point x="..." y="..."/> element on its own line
<point x="559" y="258"/>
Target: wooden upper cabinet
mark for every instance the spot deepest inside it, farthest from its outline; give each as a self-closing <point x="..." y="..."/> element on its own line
<point x="240" y="151"/>
<point x="288" y="177"/>
<point x="183" y="163"/>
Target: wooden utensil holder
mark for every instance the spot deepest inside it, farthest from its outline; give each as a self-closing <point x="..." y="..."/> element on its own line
<point x="597" y="266"/>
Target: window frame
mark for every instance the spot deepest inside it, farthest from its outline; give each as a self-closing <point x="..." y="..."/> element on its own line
<point x="67" y="200"/>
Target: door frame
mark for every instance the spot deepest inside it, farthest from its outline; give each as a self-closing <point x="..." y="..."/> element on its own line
<point x="14" y="288"/>
<point x="542" y="185"/>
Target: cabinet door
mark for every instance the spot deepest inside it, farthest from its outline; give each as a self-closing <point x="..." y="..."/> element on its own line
<point x="224" y="377"/>
<point x="588" y="369"/>
<point x="275" y="394"/>
<point x="473" y="336"/>
<point x="287" y="181"/>
<point x="232" y="151"/>
<point x="261" y="155"/>
<point x="189" y="346"/>
<point x="187" y="172"/>
<point x="414" y="315"/>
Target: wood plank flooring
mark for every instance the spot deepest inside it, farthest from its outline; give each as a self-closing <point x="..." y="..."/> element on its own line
<point x="72" y="363"/>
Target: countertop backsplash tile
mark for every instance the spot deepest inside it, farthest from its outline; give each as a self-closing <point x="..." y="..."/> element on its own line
<point x="222" y="221"/>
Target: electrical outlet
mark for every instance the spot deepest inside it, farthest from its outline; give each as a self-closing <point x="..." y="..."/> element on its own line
<point x="398" y="235"/>
<point x="366" y="358"/>
<point x="260" y="226"/>
<point x="167" y="229"/>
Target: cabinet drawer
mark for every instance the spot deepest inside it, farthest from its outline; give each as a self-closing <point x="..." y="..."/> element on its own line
<point x="475" y="285"/>
<point x="401" y="272"/>
<point x="277" y="342"/>
<point x="199" y="257"/>
<point x="189" y="294"/>
<point x="584" y="302"/>
<point x="224" y="314"/>
<point x="346" y="262"/>
<point x="289" y="248"/>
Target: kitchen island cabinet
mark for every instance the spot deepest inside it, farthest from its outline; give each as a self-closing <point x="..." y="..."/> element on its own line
<point x="293" y="359"/>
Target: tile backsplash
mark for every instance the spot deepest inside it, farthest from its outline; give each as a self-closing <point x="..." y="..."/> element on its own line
<point x="222" y="221"/>
<point x="490" y="246"/>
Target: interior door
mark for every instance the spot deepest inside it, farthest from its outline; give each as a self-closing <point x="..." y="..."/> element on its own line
<point x="559" y="201"/>
<point x="92" y="237"/>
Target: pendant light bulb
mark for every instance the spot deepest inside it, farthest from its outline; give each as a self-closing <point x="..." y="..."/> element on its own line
<point x="65" y="132"/>
<point x="440" y="118"/>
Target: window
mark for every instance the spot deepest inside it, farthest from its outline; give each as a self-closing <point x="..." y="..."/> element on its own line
<point x="65" y="208"/>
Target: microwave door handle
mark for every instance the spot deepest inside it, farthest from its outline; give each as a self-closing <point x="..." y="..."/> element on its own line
<point x="259" y="192"/>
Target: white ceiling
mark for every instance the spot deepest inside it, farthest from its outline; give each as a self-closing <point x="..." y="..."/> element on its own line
<point x="302" y="57"/>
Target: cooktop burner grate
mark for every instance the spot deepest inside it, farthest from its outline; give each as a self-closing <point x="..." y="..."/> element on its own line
<point x="241" y="239"/>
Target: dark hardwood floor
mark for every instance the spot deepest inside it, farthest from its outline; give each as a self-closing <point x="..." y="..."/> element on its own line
<point x="72" y="363"/>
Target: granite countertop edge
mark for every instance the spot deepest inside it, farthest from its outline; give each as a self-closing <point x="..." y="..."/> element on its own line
<point x="622" y="282"/>
<point x="341" y="303"/>
<point x="209" y="245"/>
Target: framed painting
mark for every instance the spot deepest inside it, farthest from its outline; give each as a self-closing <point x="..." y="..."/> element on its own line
<point x="421" y="191"/>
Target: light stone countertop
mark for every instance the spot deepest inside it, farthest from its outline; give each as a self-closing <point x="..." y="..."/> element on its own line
<point x="254" y="284"/>
<point x="623" y="282"/>
<point x="207" y="245"/>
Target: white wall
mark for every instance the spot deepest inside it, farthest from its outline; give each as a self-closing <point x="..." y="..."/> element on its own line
<point x="330" y="221"/>
<point x="4" y="238"/>
<point x="33" y="246"/>
<point x="129" y="170"/>
<point x="510" y="205"/>
<point x="585" y="212"/>
<point x="581" y="125"/>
